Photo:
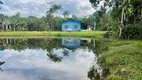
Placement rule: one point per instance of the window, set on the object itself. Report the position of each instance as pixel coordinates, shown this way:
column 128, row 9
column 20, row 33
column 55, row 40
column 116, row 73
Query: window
column 66, row 26
column 75, row 26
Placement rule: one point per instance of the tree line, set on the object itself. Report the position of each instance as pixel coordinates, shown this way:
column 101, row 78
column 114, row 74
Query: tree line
column 50, row 22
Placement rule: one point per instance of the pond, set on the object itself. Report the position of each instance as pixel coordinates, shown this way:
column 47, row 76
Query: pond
column 49, row 59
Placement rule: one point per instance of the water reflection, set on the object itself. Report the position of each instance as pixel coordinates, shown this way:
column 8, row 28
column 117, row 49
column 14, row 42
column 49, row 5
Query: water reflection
column 1, row 63
column 71, row 43
column 49, row 59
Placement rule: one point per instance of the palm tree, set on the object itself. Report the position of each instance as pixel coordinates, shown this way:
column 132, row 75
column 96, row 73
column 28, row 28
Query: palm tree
column 56, row 8
column 1, row 2
column 50, row 11
column 49, row 16
column 66, row 14
column 74, row 16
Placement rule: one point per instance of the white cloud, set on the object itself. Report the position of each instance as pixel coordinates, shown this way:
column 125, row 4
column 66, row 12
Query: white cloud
column 39, row 7
column 29, row 63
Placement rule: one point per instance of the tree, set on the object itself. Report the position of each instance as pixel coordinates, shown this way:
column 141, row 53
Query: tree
column 1, row 2
column 130, row 13
column 17, row 14
column 51, row 20
column 74, row 16
column 66, row 14
column 50, row 12
column 56, row 8
column 1, row 16
column 124, row 11
column 49, row 17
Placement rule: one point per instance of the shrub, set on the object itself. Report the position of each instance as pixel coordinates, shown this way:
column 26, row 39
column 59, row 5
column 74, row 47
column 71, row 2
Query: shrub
column 132, row 31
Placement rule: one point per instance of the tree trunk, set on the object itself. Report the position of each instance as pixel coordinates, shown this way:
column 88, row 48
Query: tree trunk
column 13, row 28
column 6, row 27
column 141, row 12
column 3, row 26
column 94, row 26
column 120, row 32
column 121, row 24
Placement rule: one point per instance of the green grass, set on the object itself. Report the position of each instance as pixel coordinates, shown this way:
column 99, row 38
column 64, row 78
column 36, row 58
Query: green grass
column 44, row 33
column 124, row 60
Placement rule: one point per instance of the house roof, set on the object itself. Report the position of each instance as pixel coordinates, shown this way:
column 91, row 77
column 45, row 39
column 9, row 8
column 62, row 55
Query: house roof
column 75, row 20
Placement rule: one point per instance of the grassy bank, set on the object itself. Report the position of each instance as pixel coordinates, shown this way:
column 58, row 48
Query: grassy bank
column 44, row 33
column 123, row 60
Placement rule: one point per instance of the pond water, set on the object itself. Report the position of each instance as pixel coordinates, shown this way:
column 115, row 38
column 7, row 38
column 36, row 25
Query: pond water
column 49, row 59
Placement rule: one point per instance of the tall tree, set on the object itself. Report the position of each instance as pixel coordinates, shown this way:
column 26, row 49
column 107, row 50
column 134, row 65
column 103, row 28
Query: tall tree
column 74, row 16
column 124, row 11
column 50, row 11
column 66, row 14
column 49, row 17
column 56, row 8
column 51, row 14
column 17, row 14
column 1, row 2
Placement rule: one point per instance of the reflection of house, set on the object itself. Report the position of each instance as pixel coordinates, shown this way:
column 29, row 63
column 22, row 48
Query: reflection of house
column 74, row 25
column 73, row 43
column 70, row 43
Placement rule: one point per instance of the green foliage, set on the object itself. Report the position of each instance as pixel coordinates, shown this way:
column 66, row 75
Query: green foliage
column 123, row 60
column 115, row 78
column 132, row 31
column 125, row 14
column 106, row 23
column 88, row 20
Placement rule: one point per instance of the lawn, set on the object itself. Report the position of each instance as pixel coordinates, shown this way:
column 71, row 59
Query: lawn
column 55, row 33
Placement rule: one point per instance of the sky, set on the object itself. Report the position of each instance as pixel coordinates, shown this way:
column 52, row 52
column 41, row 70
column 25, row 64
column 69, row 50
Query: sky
column 38, row 8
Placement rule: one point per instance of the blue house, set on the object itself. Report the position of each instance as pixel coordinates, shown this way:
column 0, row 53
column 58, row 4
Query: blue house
column 74, row 25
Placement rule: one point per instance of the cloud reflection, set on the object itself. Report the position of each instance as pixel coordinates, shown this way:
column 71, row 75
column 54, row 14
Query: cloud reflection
column 31, row 64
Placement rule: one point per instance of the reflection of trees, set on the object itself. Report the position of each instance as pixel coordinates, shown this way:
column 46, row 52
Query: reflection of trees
column 45, row 44
column 54, row 44
column 65, row 52
column 54, row 57
column 17, row 44
column 21, row 44
column 93, row 74
column 101, row 46
column 48, row 45
column 1, row 63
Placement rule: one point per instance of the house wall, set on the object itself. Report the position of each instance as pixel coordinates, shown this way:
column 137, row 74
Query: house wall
column 71, row 25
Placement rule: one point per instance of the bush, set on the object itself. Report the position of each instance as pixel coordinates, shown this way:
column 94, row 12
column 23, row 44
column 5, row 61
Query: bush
column 132, row 32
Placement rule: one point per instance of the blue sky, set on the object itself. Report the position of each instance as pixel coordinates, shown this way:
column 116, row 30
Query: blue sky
column 39, row 7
